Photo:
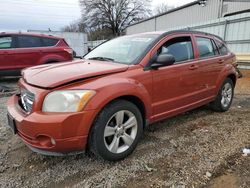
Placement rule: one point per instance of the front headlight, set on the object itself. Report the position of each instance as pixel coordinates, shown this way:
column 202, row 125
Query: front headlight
column 67, row 101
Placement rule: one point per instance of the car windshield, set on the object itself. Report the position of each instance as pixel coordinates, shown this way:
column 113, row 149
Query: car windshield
column 124, row 50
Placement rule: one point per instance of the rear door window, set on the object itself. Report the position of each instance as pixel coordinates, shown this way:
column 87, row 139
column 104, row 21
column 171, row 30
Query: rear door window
column 216, row 50
column 181, row 48
column 6, row 42
column 205, row 47
column 29, row 41
column 222, row 48
column 49, row 42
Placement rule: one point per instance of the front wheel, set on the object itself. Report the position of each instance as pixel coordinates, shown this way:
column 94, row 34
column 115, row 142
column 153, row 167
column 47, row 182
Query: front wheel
column 116, row 131
column 224, row 98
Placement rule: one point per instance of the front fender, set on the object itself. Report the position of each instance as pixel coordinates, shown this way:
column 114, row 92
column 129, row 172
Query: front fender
column 111, row 89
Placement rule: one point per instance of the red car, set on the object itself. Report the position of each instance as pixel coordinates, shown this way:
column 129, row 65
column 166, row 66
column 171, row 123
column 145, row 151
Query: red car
column 104, row 102
column 19, row 50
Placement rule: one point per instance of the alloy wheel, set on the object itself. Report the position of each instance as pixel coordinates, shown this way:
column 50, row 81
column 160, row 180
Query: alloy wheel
column 120, row 131
column 226, row 93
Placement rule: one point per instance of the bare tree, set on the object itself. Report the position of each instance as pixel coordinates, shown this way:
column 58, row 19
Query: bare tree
column 161, row 8
column 77, row 26
column 114, row 15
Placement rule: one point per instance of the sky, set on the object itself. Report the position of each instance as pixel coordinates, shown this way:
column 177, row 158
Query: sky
column 171, row 3
column 22, row 15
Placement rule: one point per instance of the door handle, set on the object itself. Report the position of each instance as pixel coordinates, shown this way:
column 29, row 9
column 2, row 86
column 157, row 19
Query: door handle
column 193, row 67
column 221, row 61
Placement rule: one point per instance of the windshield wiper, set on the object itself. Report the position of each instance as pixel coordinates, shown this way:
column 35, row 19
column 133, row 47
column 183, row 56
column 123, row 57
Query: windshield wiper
column 101, row 58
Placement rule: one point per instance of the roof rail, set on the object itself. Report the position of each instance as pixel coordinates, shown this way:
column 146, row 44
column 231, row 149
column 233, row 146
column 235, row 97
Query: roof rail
column 189, row 30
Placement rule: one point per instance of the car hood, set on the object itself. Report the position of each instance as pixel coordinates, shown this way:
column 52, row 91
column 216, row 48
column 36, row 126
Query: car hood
column 55, row 75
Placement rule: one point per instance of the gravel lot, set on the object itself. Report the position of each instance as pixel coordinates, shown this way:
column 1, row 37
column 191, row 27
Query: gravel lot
column 200, row 148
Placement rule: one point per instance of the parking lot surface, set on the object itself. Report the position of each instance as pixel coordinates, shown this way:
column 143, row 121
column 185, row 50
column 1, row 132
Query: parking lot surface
column 200, row 148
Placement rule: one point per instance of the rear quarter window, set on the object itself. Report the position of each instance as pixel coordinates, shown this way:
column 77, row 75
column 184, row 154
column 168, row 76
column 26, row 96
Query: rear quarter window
column 29, row 41
column 222, row 48
column 216, row 50
column 49, row 42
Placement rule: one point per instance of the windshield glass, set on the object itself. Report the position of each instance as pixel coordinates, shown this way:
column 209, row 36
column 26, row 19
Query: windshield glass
column 124, row 50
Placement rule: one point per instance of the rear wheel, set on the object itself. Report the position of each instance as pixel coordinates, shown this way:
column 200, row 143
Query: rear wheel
column 224, row 98
column 116, row 131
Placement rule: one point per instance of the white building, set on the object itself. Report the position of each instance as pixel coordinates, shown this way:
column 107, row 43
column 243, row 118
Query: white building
column 229, row 19
column 192, row 13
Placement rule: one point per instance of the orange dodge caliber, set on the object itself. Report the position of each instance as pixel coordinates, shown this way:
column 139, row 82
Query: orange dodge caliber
column 103, row 102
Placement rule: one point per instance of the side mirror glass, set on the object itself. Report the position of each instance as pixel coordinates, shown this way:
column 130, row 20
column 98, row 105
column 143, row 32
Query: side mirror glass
column 163, row 60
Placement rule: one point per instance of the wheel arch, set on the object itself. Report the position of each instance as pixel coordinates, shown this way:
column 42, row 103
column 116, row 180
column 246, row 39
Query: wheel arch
column 227, row 72
column 51, row 61
column 51, row 58
column 233, row 78
column 138, row 103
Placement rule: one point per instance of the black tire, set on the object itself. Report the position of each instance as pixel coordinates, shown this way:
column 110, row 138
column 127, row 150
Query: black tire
column 217, row 104
column 97, row 141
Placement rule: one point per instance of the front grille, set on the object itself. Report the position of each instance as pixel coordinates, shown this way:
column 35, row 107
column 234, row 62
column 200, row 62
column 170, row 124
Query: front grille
column 27, row 99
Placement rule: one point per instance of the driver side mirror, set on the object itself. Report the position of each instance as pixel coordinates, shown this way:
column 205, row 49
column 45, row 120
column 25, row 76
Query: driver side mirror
column 163, row 60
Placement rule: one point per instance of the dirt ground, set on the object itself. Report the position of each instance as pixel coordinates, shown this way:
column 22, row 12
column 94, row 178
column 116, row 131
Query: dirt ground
column 200, row 148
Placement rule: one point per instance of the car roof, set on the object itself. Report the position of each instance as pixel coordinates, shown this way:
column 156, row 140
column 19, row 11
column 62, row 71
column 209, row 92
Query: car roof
column 29, row 34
